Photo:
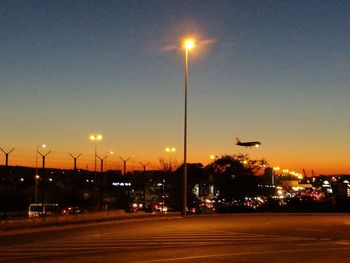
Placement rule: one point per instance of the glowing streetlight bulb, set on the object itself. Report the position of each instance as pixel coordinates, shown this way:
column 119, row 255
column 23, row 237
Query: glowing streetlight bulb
column 189, row 44
column 97, row 137
column 170, row 149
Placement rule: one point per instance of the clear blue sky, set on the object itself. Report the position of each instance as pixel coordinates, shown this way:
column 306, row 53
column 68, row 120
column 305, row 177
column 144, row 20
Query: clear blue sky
column 274, row 71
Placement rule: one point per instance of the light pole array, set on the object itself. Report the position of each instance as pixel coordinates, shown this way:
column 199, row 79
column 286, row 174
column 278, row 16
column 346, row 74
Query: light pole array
column 189, row 44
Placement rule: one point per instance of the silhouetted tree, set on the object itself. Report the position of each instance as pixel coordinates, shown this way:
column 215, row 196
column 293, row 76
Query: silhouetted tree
column 234, row 176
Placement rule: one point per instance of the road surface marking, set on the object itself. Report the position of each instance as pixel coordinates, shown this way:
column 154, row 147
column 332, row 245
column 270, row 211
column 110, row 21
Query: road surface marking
column 94, row 244
column 310, row 229
column 239, row 254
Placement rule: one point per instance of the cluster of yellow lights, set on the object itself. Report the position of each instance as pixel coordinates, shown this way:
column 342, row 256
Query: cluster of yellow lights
column 97, row 137
column 168, row 149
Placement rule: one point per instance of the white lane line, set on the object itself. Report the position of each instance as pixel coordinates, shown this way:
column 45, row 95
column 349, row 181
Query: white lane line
column 84, row 246
column 255, row 235
column 239, row 254
column 148, row 242
column 310, row 229
column 342, row 242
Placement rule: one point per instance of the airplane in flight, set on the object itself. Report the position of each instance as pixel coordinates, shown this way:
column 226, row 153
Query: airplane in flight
column 247, row 144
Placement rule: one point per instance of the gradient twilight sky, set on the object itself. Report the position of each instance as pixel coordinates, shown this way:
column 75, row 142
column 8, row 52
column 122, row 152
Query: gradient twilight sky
column 273, row 71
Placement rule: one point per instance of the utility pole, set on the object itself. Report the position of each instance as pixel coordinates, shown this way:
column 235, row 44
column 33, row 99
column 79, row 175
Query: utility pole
column 43, row 177
column 6, row 177
column 7, row 155
column 144, row 166
column 102, row 160
column 124, row 164
column 75, row 158
column 144, row 181
column 104, row 182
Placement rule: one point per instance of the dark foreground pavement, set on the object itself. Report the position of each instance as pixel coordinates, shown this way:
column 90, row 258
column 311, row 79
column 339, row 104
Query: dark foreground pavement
column 223, row 238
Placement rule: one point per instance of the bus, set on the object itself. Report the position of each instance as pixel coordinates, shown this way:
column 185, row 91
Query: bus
column 38, row 210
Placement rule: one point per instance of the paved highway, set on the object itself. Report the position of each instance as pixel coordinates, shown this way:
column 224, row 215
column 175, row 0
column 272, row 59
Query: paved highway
column 218, row 238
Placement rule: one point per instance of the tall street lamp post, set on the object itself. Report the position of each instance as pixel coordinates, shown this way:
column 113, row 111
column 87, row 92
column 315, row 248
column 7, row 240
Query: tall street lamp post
column 95, row 138
column 170, row 151
column 189, row 44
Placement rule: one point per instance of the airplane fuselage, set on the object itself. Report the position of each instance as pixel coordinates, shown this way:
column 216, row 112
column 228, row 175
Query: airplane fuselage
column 248, row 144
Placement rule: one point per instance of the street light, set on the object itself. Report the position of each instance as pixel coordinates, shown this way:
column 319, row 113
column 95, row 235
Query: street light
column 170, row 150
column 95, row 138
column 37, row 177
column 188, row 45
column 213, row 157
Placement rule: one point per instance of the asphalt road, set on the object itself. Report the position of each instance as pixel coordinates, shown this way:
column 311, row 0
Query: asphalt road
column 224, row 238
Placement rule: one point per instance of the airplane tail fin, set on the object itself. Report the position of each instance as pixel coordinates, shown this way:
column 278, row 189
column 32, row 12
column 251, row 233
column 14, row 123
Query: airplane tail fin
column 237, row 140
